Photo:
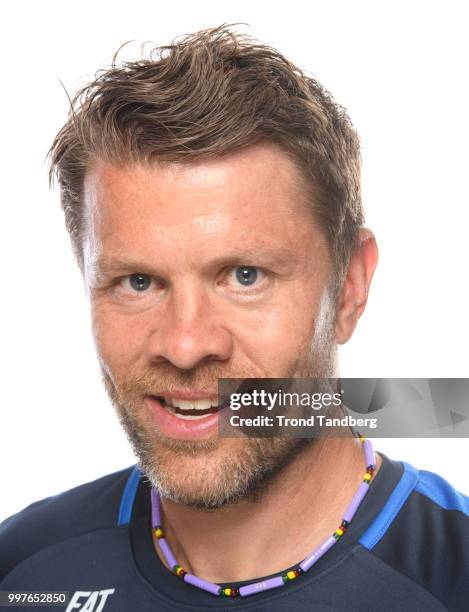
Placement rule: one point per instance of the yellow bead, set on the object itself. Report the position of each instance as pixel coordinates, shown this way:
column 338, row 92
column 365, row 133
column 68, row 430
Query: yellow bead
column 158, row 532
column 339, row 531
column 291, row 575
column 367, row 477
column 228, row 592
column 362, row 439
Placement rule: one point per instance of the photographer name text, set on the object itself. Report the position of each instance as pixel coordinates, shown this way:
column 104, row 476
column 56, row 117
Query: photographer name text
column 315, row 420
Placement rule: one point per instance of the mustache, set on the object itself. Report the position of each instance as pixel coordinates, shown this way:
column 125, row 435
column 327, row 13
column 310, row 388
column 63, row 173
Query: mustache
column 166, row 378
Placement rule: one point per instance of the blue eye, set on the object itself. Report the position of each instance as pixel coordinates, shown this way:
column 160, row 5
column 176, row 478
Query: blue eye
column 139, row 282
column 246, row 275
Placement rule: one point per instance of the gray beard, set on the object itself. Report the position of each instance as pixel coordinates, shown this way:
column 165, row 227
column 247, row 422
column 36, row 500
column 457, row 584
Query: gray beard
column 213, row 478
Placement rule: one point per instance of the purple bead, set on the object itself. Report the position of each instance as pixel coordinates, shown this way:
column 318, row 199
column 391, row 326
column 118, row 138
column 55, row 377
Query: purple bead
column 155, row 508
column 168, row 555
column 356, row 501
column 317, row 554
column 277, row 581
column 369, row 454
column 263, row 585
column 202, row 584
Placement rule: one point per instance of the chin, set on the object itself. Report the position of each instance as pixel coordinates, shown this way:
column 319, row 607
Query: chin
column 230, row 471
column 203, row 474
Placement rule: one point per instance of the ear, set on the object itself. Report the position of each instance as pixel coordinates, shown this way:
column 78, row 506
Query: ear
column 354, row 292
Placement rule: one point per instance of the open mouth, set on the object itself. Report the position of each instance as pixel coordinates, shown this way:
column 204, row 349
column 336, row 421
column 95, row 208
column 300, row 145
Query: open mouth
column 190, row 408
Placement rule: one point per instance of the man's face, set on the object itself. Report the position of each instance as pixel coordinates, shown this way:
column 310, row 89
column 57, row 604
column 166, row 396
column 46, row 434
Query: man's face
column 197, row 271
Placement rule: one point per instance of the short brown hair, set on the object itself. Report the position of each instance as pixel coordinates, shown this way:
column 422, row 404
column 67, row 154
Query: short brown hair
column 205, row 94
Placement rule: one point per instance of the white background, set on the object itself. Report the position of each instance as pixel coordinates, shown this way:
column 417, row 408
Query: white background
column 400, row 68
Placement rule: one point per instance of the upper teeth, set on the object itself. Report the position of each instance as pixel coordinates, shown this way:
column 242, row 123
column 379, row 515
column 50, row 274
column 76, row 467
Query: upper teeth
column 200, row 404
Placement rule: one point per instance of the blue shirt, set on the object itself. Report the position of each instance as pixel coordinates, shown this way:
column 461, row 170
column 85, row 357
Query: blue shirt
column 407, row 549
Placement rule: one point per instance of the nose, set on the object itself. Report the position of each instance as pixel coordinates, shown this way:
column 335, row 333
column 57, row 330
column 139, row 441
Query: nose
column 189, row 329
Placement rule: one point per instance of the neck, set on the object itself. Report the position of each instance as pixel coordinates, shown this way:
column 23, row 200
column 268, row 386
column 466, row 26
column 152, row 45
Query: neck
column 299, row 509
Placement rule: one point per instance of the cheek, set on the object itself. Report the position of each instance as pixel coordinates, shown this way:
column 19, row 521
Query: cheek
column 119, row 339
column 278, row 336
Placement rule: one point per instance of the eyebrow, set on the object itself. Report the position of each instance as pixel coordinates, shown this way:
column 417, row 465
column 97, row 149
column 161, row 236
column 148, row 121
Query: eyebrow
column 264, row 257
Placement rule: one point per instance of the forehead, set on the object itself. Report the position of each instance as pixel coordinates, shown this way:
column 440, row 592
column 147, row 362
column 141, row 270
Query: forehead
column 253, row 195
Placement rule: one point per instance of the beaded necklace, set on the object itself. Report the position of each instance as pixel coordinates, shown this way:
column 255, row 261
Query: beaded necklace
column 276, row 581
